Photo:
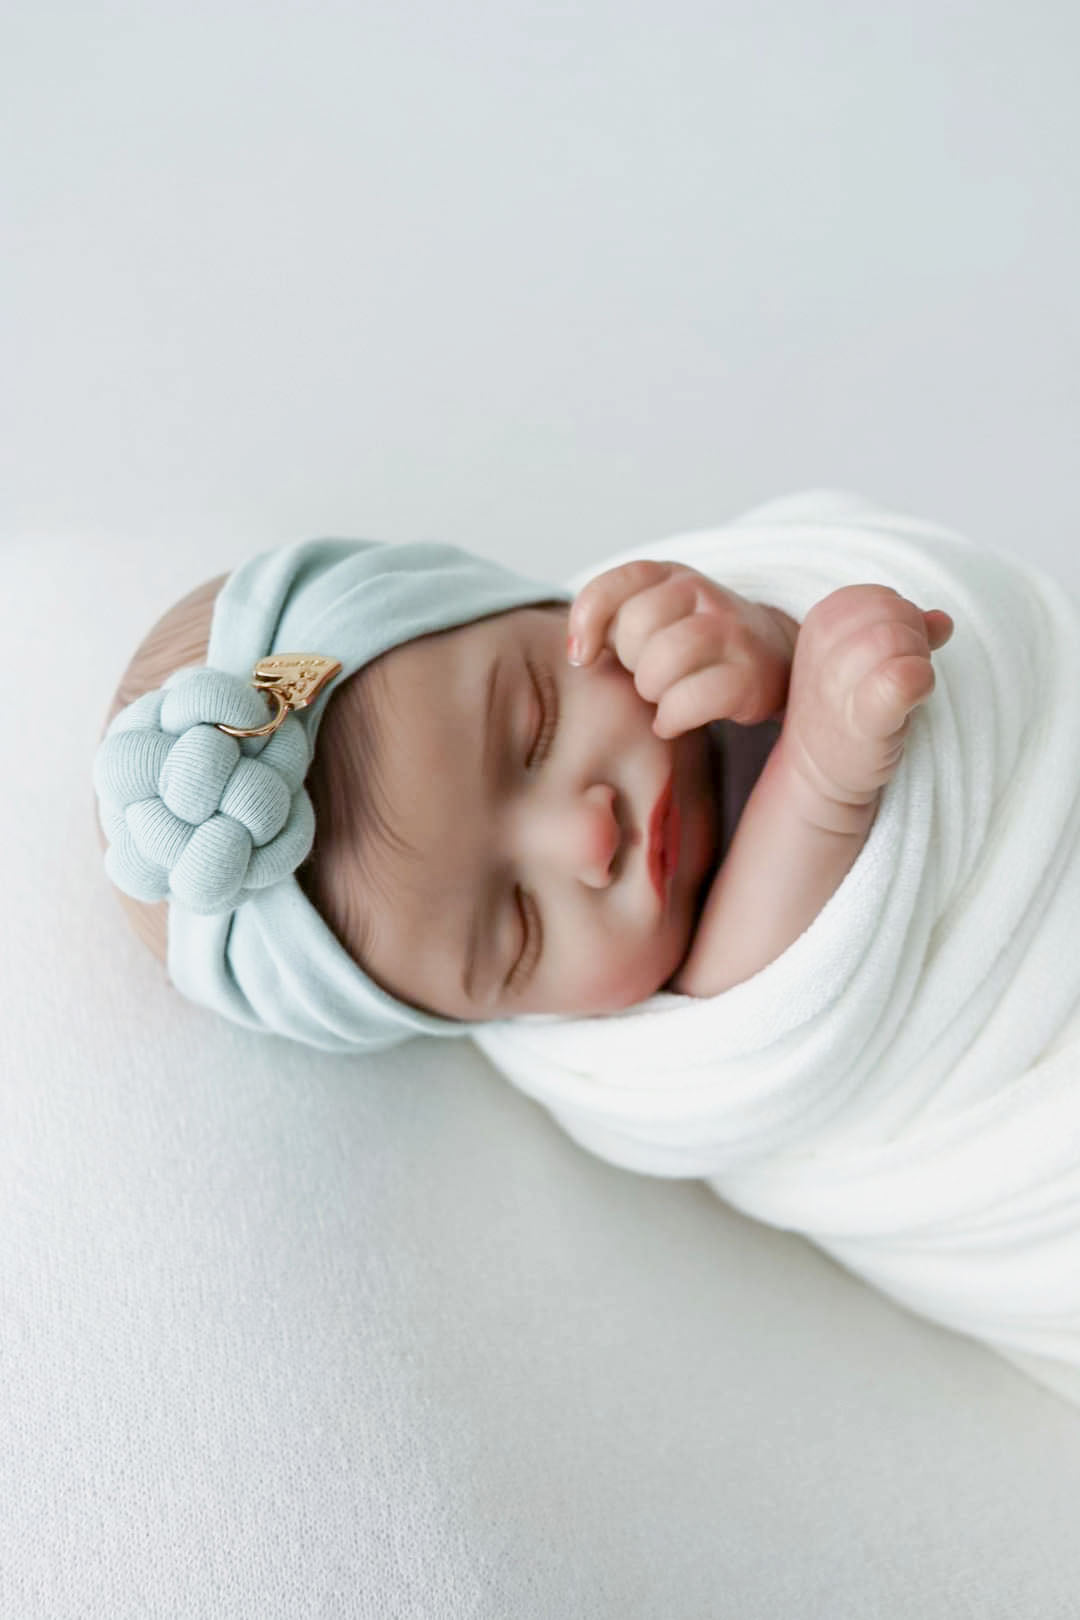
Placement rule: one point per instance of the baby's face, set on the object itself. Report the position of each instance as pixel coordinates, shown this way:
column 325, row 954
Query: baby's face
column 524, row 787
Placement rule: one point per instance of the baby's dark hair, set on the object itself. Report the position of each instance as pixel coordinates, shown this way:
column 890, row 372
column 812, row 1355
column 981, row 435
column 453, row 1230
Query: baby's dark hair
column 351, row 817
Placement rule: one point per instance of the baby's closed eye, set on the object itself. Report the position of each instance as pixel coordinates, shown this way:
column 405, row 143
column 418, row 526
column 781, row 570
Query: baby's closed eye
column 548, row 696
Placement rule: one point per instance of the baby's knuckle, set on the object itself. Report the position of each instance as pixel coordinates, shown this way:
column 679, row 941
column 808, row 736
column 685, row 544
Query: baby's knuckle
column 700, row 632
column 613, row 583
column 707, row 593
column 833, row 612
column 884, row 640
column 891, row 683
column 639, row 574
column 852, row 607
column 893, row 638
column 876, row 597
column 634, row 617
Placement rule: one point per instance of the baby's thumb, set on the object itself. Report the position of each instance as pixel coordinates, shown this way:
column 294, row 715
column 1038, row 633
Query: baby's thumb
column 939, row 627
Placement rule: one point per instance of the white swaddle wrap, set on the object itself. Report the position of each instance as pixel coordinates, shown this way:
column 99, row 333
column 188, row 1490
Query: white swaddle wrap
column 901, row 1085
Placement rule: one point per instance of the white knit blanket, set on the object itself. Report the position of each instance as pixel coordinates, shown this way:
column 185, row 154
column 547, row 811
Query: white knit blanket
column 902, row 1084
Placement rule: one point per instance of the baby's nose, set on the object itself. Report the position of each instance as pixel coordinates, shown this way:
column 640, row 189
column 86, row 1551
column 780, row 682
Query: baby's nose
column 591, row 834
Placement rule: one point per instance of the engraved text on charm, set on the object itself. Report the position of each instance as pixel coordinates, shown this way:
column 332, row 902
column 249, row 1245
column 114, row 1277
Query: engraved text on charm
column 293, row 679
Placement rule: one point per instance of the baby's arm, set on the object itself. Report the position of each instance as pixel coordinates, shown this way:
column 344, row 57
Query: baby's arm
column 862, row 663
column 790, row 851
column 849, row 677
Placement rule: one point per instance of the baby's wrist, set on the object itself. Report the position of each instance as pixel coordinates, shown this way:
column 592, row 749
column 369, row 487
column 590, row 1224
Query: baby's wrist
column 823, row 803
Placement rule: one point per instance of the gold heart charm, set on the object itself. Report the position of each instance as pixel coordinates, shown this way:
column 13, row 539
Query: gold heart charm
column 294, row 679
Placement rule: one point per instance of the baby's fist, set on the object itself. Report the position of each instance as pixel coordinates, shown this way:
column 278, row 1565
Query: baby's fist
column 696, row 650
column 862, row 664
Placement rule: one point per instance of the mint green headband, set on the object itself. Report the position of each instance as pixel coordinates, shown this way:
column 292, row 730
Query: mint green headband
column 218, row 824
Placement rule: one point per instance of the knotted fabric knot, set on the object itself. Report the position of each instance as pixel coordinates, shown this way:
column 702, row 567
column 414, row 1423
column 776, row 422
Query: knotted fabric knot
column 192, row 814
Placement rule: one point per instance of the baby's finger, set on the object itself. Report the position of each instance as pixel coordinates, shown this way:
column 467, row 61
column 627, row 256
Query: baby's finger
column 884, row 698
column 939, row 627
column 598, row 603
column 709, row 694
column 682, row 647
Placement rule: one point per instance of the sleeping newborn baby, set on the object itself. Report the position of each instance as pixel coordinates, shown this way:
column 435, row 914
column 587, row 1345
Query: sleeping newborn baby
column 568, row 862
column 685, row 850
column 563, row 807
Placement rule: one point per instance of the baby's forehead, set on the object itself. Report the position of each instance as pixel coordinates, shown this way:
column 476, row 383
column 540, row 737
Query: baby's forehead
column 445, row 669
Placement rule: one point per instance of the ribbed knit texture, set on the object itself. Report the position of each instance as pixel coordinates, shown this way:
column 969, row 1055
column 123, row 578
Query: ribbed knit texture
column 195, row 815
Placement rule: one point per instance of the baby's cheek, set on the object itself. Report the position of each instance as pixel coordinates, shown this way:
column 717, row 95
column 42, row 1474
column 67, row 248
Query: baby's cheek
column 618, row 977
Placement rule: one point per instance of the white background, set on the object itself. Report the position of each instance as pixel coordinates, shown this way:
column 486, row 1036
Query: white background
column 547, row 281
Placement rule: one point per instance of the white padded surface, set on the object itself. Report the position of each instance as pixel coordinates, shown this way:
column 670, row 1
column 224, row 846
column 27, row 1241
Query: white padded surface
column 285, row 1334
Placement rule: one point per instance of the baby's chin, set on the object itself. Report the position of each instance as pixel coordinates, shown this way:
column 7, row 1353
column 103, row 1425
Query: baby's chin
column 624, row 984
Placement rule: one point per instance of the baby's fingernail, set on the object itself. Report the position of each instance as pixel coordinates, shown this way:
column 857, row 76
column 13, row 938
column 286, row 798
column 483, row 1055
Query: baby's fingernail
column 573, row 649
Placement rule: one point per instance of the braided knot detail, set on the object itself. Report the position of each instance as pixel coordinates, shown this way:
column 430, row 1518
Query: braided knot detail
column 192, row 814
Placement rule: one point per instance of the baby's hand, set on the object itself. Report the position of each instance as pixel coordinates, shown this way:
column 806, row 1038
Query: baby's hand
column 862, row 664
column 696, row 650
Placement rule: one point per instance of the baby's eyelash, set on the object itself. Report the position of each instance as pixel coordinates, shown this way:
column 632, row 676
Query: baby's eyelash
column 528, row 958
column 549, row 704
column 549, row 720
